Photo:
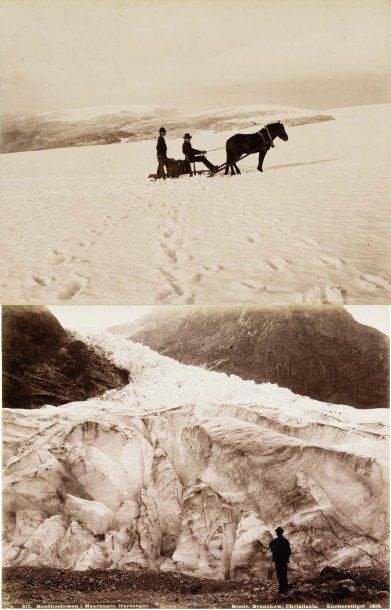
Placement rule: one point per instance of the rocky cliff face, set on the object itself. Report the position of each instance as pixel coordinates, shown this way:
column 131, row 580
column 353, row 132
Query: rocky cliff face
column 321, row 352
column 45, row 364
column 191, row 470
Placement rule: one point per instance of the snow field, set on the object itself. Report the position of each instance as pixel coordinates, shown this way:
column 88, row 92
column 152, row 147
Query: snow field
column 85, row 225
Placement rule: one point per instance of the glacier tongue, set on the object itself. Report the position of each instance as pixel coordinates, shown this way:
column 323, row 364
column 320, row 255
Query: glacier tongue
column 187, row 469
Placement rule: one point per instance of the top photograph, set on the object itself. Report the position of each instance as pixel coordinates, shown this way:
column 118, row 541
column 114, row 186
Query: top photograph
column 195, row 152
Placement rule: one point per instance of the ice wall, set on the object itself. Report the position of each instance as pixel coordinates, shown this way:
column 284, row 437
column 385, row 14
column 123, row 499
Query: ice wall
column 192, row 470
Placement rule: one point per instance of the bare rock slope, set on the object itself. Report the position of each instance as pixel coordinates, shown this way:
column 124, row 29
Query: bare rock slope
column 321, row 352
column 43, row 363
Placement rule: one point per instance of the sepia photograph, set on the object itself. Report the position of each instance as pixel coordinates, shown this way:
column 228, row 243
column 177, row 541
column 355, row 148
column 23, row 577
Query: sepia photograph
column 195, row 152
column 195, row 298
column 195, row 457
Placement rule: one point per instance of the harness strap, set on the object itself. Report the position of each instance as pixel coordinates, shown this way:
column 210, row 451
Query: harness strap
column 270, row 141
column 268, row 132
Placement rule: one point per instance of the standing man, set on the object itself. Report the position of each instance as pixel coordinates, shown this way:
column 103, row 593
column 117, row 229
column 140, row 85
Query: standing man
column 161, row 151
column 281, row 550
column 192, row 154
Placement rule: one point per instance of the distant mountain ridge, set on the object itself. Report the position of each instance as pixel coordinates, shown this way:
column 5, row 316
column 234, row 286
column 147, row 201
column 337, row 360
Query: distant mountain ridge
column 321, row 352
column 45, row 364
column 115, row 124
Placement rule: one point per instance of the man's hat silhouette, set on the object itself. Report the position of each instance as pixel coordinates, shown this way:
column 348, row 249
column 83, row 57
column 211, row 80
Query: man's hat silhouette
column 279, row 529
column 187, row 135
column 162, row 130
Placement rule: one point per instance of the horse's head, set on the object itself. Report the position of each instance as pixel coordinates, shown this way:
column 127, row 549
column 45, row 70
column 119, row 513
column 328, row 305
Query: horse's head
column 280, row 131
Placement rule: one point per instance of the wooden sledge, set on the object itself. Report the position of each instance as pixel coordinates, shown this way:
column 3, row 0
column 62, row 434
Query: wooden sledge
column 193, row 173
column 178, row 168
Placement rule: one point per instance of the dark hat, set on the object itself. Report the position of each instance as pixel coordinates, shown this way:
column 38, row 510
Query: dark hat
column 187, row 135
column 279, row 529
column 162, row 129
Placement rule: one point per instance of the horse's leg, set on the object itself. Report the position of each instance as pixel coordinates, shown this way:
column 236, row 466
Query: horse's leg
column 227, row 163
column 262, row 154
column 237, row 169
column 231, row 154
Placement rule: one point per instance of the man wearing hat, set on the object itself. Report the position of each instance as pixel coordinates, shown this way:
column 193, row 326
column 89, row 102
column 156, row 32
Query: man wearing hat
column 192, row 154
column 161, row 150
column 281, row 550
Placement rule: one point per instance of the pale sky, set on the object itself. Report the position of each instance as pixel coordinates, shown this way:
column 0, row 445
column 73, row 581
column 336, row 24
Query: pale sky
column 194, row 54
column 377, row 316
column 86, row 318
column 98, row 317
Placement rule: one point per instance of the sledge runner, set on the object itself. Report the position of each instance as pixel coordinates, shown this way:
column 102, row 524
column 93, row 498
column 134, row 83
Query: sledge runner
column 192, row 154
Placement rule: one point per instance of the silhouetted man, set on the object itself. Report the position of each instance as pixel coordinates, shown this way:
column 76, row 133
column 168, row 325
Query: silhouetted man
column 161, row 151
column 281, row 550
column 192, row 154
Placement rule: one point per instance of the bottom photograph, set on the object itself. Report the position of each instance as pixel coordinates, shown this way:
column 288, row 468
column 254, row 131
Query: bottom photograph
column 195, row 457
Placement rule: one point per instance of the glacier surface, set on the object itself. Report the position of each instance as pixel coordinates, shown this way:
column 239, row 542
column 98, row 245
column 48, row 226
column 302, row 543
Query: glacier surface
column 192, row 470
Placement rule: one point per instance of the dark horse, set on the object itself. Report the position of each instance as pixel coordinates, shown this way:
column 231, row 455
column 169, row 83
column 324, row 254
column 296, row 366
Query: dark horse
column 246, row 144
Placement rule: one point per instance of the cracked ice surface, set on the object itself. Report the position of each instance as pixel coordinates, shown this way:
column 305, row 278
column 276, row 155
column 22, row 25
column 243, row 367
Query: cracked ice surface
column 188, row 469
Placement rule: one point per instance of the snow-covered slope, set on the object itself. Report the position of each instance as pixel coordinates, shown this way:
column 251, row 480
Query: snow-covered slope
column 187, row 469
column 86, row 225
column 102, row 113
column 129, row 123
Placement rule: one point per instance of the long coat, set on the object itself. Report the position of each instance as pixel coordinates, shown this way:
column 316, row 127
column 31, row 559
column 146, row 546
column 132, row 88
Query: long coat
column 188, row 150
column 161, row 147
column 281, row 549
